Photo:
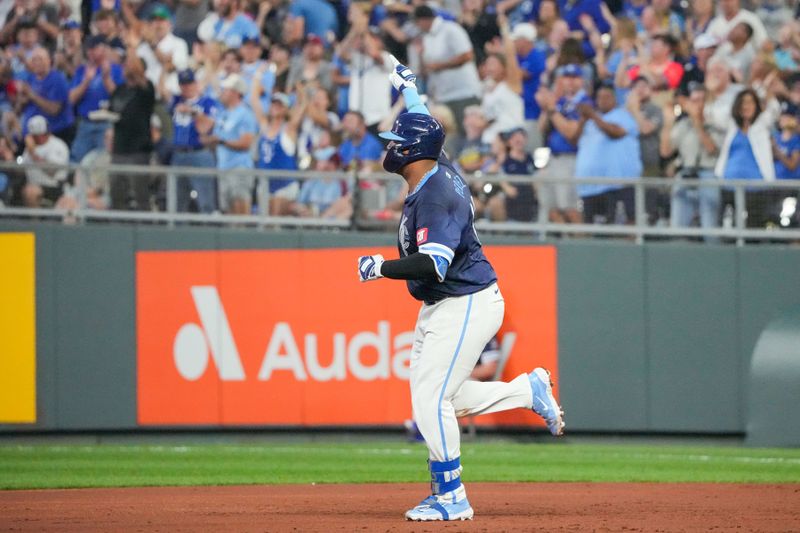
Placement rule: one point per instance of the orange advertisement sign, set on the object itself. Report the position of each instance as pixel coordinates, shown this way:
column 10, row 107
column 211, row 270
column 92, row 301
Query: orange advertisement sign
column 291, row 337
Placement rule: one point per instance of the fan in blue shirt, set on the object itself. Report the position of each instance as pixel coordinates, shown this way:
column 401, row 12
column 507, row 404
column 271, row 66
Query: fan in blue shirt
column 786, row 147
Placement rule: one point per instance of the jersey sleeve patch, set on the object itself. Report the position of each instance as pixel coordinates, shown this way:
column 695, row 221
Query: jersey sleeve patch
column 422, row 236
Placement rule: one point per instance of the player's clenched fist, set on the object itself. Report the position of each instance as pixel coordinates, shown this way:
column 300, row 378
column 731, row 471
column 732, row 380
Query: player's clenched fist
column 401, row 76
column 369, row 267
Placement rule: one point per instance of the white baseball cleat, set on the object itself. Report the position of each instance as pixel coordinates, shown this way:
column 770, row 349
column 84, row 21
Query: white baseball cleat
column 431, row 508
column 544, row 403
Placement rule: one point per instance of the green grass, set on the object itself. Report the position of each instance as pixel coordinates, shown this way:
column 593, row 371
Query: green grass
column 41, row 466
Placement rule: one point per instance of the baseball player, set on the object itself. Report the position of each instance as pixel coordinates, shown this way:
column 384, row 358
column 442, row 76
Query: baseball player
column 444, row 267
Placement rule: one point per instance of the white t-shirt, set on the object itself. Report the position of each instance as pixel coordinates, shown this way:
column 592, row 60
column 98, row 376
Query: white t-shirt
column 54, row 151
column 370, row 79
column 445, row 41
column 719, row 26
column 504, row 109
column 170, row 45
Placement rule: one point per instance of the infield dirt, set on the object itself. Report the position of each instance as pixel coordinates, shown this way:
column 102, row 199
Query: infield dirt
column 380, row 507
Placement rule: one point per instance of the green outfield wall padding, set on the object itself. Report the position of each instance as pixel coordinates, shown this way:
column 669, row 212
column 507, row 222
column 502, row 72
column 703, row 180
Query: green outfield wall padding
column 651, row 338
column 601, row 336
column 774, row 400
column 693, row 364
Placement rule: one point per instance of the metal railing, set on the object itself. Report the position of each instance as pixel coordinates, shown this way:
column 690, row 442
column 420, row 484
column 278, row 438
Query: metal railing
column 639, row 228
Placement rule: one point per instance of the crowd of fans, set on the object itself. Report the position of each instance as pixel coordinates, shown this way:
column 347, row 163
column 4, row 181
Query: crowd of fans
column 560, row 90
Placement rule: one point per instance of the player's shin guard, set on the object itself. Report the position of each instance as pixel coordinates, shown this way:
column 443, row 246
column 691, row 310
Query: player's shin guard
column 446, row 480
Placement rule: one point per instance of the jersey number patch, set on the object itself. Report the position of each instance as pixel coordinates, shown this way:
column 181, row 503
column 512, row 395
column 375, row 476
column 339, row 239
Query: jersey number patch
column 422, row 235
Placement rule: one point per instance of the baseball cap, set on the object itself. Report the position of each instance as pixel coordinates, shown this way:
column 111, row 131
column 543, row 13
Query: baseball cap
column 506, row 135
column 250, row 39
column 71, row 25
column 705, row 40
column 235, row 82
column 283, row 98
column 37, row 125
column 314, row 39
column 570, row 70
column 186, row 76
column 525, row 31
column 160, row 12
column 95, row 40
column 424, row 12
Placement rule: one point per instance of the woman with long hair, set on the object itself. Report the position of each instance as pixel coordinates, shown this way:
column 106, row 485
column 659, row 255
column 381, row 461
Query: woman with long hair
column 746, row 152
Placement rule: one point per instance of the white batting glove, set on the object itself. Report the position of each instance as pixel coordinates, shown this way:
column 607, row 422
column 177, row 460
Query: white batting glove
column 401, row 76
column 369, row 267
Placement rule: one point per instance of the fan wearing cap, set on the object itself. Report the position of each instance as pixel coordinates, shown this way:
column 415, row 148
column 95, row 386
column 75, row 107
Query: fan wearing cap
column 69, row 53
column 705, row 46
column 311, row 66
column 164, row 53
column 532, row 63
column 191, row 112
column 90, row 90
column 253, row 65
column 41, row 147
column 233, row 133
column 277, row 147
column 560, row 124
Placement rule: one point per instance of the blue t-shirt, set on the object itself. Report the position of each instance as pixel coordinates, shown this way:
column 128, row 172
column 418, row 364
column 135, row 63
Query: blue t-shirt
column 437, row 220
column 342, row 91
column 600, row 156
column 320, row 16
column 230, row 125
column 370, row 149
column 96, row 91
column 571, row 12
column 267, row 83
column 233, row 32
column 525, row 11
column 534, row 64
column 569, row 108
column 321, row 193
column 742, row 163
column 53, row 87
column 276, row 153
column 185, row 132
column 788, row 147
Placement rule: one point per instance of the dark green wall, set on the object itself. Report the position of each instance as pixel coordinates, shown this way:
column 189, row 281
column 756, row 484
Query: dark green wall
column 651, row 338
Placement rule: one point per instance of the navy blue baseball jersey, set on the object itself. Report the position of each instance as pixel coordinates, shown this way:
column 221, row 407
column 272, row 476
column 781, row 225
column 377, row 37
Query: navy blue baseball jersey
column 438, row 221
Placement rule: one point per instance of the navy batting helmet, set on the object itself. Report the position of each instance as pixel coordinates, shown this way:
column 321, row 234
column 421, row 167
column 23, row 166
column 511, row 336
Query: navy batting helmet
column 416, row 136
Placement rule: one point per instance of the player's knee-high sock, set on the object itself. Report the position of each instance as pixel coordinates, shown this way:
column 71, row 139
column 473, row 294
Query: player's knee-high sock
column 477, row 398
column 446, row 480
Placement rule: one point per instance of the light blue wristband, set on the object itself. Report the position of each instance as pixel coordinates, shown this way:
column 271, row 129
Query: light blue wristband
column 414, row 102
